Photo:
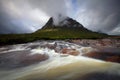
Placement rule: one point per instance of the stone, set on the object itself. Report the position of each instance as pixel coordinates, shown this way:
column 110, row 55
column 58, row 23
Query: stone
column 70, row 51
column 113, row 59
column 18, row 59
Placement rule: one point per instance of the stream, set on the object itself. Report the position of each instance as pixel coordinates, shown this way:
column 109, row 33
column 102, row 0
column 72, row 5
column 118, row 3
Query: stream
column 59, row 60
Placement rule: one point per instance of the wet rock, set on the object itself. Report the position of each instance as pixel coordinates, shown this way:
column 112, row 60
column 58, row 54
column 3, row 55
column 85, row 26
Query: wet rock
column 99, row 76
column 113, row 59
column 106, row 56
column 50, row 46
column 70, row 51
column 18, row 59
column 33, row 46
column 31, row 59
column 98, row 42
column 95, row 55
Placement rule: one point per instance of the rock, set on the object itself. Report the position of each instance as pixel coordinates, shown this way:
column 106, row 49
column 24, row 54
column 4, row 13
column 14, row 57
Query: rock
column 18, row 59
column 113, row 59
column 32, row 59
column 98, row 42
column 106, row 56
column 33, row 46
column 70, row 51
column 99, row 76
column 95, row 55
column 50, row 46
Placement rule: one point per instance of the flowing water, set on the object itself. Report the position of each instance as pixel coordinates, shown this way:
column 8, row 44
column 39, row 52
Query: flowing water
column 44, row 60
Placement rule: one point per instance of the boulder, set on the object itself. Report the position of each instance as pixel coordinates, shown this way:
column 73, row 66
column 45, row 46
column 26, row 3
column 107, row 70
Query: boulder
column 113, row 59
column 18, row 59
column 73, row 52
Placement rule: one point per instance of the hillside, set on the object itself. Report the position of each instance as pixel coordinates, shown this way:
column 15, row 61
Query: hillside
column 67, row 29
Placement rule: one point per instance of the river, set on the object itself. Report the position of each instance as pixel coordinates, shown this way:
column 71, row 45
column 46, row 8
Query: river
column 56, row 60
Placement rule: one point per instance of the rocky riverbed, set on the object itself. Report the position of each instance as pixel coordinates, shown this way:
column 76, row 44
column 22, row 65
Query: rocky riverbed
column 61, row 60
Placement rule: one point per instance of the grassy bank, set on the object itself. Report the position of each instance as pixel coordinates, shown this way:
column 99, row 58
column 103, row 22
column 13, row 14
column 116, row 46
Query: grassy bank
column 50, row 34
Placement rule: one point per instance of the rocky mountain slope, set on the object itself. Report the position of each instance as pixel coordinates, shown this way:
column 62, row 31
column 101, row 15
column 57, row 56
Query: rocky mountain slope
column 66, row 29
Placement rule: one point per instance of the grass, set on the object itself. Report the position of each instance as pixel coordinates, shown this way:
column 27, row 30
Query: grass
column 65, row 33
column 50, row 33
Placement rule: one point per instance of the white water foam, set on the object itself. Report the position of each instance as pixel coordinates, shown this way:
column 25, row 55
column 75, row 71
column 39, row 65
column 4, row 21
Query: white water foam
column 59, row 66
column 15, row 48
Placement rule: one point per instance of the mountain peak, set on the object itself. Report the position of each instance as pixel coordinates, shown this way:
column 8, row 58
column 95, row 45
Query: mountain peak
column 66, row 29
column 67, row 22
column 50, row 23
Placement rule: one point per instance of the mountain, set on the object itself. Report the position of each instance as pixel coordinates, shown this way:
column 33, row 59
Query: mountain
column 66, row 29
column 49, row 24
column 66, row 23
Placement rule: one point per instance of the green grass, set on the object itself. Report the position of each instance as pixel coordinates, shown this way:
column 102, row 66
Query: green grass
column 68, row 33
column 50, row 33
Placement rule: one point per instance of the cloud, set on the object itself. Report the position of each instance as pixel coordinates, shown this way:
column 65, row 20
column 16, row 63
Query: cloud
column 115, row 31
column 21, row 16
column 20, row 19
column 99, row 15
column 55, row 8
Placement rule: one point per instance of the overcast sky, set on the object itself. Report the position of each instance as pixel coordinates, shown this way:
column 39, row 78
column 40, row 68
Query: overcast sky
column 22, row 16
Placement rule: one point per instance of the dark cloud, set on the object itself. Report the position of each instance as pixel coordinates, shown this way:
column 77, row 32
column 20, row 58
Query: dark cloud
column 7, row 22
column 7, row 25
column 99, row 15
column 20, row 16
